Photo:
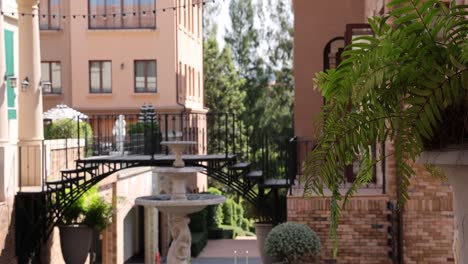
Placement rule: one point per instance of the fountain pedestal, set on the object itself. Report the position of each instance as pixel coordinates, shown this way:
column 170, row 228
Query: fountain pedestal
column 179, row 204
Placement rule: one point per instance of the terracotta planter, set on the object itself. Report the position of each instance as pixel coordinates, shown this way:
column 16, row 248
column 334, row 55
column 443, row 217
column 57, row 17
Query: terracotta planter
column 75, row 241
column 454, row 164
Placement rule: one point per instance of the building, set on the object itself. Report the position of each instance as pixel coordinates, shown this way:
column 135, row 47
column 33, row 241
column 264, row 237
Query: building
column 122, row 54
column 9, row 68
column 111, row 57
column 101, row 59
column 371, row 230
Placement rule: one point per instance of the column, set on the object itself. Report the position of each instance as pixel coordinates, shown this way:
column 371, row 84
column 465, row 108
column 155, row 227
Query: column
column 3, row 113
column 151, row 235
column 30, row 123
column 3, row 87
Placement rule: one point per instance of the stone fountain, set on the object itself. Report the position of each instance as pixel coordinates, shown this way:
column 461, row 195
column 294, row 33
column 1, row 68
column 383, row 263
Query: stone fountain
column 179, row 204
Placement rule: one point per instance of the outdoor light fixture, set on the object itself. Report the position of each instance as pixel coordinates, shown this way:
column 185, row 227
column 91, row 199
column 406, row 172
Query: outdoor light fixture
column 13, row 82
column 25, row 85
column 46, row 86
column 12, row 79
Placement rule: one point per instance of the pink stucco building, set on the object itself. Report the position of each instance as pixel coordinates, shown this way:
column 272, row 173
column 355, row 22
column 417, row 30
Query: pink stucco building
column 122, row 54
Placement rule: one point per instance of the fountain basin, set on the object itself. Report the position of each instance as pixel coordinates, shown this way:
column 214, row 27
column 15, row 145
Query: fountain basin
column 193, row 202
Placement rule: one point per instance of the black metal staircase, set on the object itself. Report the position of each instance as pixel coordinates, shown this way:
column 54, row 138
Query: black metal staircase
column 257, row 175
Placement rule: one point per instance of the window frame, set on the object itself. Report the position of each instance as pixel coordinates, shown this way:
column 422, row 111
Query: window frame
column 101, row 90
column 146, row 62
column 120, row 17
column 51, row 79
column 50, row 17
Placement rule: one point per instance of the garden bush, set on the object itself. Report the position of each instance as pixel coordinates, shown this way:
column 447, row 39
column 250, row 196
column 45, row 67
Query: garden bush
column 245, row 224
column 67, row 128
column 239, row 214
column 228, row 212
column 291, row 241
column 215, row 212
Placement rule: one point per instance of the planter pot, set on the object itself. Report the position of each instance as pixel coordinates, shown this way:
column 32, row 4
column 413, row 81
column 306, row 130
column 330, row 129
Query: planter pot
column 262, row 230
column 75, row 241
column 454, row 164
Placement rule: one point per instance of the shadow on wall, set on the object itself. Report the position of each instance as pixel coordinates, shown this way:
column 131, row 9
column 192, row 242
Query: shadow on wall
column 7, row 233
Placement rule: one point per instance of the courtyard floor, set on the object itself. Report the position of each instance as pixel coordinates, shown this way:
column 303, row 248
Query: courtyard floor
column 222, row 252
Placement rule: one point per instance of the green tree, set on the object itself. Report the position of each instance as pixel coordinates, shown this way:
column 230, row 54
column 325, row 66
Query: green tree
column 243, row 39
column 222, row 91
column 405, row 83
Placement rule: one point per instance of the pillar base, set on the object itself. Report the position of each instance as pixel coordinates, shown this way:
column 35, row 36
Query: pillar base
column 454, row 164
column 30, row 157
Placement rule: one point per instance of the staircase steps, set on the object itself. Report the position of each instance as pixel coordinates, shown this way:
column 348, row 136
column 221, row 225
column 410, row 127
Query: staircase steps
column 71, row 180
column 275, row 183
column 80, row 169
column 254, row 175
column 241, row 166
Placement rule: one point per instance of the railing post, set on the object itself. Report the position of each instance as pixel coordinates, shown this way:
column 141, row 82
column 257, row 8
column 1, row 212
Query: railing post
column 166, row 132
column 233, row 134
column 153, row 143
column 43, row 165
column 99, row 135
column 79, row 139
column 226, row 132
column 292, row 166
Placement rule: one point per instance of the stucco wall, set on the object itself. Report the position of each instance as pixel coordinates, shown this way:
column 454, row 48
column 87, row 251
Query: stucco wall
column 315, row 23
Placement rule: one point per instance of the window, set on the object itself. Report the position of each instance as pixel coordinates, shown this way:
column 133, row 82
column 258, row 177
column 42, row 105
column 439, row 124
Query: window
column 100, row 77
column 106, row 14
column 52, row 72
column 49, row 14
column 145, row 76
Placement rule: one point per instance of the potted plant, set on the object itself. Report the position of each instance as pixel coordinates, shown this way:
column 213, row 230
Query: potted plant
column 90, row 212
column 401, row 85
column 290, row 242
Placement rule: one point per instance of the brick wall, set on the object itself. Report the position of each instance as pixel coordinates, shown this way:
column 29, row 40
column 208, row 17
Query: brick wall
column 362, row 230
column 428, row 220
column 427, row 230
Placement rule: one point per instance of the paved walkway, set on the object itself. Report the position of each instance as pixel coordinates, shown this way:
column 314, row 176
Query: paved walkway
column 221, row 251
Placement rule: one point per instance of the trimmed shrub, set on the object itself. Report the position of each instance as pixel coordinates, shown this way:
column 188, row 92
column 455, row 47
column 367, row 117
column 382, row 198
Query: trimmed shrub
column 228, row 212
column 199, row 241
column 215, row 233
column 198, row 221
column 215, row 212
column 291, row 241
column 67, row 128
column 239, row 215
column 213, row 190
column 245, row 224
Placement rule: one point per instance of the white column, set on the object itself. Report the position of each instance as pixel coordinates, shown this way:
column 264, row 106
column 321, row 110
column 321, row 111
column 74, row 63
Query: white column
column 30, row 124
column 151, row 235
column 3, row 90
column 458, row 179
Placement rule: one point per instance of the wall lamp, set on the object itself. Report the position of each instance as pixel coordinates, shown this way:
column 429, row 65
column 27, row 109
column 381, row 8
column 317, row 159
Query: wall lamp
column 13, row 81
column 46, row 86
column 25, row 85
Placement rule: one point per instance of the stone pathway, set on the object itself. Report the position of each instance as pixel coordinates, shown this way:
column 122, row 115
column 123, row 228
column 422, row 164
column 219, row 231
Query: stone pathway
column 221, row 251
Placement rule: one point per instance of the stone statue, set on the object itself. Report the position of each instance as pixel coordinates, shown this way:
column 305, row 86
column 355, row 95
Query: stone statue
column 119, row 132
column 179, row 252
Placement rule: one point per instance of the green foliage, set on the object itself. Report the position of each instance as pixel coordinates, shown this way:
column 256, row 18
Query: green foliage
column 401, row 82
column 245, row 224
column 67, row 128
column 215, row 212
column 239, row 214
column 228, row 212
column 198, row 221
column 290, row 241
column 90, row 209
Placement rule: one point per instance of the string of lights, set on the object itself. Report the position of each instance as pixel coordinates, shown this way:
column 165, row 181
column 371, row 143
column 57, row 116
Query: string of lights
column 106, row 15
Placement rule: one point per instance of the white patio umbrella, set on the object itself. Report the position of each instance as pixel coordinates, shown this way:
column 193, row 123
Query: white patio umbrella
column 62, row 111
